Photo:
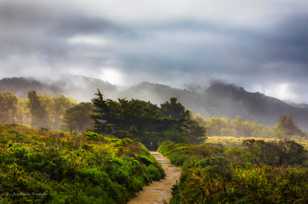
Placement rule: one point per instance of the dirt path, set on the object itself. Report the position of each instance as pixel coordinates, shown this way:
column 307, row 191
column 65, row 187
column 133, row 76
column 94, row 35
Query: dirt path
column 159, row 192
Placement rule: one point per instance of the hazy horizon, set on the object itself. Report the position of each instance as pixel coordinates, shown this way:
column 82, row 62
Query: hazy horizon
column 259, row 45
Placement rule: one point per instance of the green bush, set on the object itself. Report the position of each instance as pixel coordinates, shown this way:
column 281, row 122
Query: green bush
column 41, row 167
column 255, row 172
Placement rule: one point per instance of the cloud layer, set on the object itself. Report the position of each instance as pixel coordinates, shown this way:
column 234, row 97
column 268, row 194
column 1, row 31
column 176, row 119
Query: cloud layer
column 261, row 45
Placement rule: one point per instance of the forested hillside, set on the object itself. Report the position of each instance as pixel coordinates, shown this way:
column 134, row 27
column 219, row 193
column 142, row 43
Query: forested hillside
column 221, row 99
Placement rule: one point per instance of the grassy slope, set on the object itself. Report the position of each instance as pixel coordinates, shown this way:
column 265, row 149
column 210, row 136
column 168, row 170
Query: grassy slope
column 54, row 167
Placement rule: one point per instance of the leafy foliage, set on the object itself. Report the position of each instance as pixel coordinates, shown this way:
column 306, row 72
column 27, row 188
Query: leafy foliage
column 145, row 121
column 55, row 167
column 255, row 172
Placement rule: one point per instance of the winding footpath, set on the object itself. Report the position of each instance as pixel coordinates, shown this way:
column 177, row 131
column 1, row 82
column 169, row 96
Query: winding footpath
column 159, row 192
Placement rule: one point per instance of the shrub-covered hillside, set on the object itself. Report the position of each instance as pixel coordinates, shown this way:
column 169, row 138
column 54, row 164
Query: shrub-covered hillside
column 54, row 167
column 255, row 172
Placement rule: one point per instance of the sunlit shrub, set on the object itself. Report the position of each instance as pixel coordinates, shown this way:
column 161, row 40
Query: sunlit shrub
column 89, row 168
column 256, row 172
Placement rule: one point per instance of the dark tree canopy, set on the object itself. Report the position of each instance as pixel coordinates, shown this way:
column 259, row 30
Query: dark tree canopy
column 145, row 121
column 174, row 109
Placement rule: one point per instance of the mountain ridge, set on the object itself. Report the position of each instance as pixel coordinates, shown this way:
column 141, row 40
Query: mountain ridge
column 219, row 99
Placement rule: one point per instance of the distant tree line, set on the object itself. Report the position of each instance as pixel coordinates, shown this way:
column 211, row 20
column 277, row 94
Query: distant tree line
column 38, row 111
column 147, row 122
column 224, row 126
column 139, row 119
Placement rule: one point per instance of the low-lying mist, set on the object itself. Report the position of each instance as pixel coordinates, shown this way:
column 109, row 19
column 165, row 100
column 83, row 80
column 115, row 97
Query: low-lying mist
column 216, row 99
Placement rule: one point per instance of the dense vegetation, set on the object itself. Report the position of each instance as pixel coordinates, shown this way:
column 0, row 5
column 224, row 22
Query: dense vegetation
column 254, row 172
column 109, row 166
column 54, row 167
column 145, row 121
column 136, row 119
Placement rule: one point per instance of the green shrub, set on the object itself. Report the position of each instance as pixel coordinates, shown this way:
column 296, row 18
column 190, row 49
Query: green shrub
column 256, row 172
column 38, row 167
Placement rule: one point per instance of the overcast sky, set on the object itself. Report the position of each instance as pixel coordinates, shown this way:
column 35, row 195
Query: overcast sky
column 259, row 44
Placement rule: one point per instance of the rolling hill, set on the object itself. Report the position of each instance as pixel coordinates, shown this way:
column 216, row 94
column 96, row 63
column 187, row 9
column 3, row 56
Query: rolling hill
column 79, row 87
column 219, row 99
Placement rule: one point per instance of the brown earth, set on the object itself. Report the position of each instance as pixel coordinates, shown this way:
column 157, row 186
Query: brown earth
column 159, row 192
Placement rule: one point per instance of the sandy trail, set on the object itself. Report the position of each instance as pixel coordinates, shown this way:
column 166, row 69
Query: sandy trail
column 159, row 192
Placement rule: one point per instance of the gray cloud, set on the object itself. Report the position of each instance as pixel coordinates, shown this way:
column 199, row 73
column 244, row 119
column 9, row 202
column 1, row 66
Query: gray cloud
column 261, row 46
